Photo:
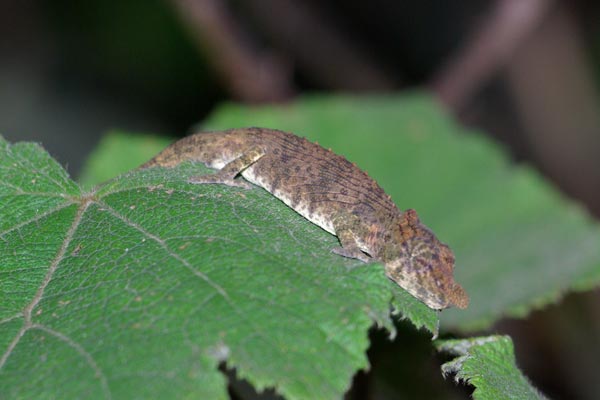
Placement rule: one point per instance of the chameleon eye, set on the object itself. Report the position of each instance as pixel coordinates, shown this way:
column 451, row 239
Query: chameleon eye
column 411, row 216
column 448, row 257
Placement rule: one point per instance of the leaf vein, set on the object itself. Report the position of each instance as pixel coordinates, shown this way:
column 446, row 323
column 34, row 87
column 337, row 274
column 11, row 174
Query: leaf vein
column 87, row 356
column 28, row 310
column 37, row 218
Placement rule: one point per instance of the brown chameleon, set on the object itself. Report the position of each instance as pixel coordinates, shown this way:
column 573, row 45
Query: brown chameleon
column 334, row 194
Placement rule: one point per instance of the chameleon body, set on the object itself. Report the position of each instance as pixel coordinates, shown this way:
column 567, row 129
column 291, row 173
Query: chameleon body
column 334, row 194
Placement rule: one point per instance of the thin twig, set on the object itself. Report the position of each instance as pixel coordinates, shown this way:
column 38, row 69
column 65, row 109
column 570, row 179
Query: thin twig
column 250, row 75
column 488, row 49
column 553, row 86
column 325, row 55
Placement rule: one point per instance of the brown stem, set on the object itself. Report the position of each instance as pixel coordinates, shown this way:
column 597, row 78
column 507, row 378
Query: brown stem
column 250, row 75
column 487, row 49
column 323, row 53
column 557, row 102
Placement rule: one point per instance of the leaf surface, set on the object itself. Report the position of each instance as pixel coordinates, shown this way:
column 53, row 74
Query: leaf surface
column 488, row 363
column 142, row 286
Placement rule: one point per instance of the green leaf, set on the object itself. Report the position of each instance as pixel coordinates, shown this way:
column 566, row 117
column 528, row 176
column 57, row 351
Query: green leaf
column 119, row 152
column 519, row 243
column 141, row 287
column 488, row 363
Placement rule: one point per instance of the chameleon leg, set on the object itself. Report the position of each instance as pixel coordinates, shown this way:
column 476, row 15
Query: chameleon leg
column 349, row 246
column 227, row 174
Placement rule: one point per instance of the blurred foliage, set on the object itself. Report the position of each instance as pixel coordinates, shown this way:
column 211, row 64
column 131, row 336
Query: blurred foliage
column 140, row 53
column 118, row 152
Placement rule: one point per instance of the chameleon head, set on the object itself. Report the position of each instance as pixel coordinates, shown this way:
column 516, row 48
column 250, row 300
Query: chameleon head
column 424, row 266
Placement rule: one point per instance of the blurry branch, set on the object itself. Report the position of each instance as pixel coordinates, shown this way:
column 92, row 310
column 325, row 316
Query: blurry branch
column 557, row 101
column 320, row 51
column 537, row 44
column 249, row 74
column 487, row 50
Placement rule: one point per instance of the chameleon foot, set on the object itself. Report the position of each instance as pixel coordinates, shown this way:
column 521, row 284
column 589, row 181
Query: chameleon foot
column 351, row 253
column 215, row 178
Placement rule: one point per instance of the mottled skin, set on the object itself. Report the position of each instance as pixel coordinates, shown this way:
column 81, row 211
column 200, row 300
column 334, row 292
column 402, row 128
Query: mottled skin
column 333, row 193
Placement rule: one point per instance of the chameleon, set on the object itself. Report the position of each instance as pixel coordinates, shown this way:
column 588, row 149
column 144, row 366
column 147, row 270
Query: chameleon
column 333, row 193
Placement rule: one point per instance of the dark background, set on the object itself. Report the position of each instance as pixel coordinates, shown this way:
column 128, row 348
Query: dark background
column 524, row 71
